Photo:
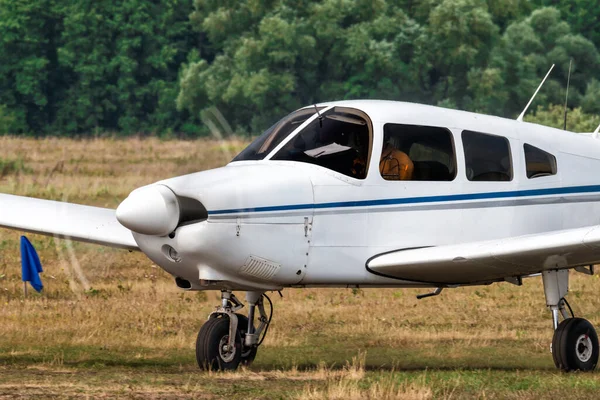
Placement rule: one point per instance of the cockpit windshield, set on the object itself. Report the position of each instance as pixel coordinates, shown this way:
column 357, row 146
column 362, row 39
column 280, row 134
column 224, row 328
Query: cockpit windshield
column 339, row 139
column 265, row 143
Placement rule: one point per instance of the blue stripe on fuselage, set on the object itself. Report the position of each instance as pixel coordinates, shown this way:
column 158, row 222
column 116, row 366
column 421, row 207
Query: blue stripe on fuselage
column 416, row 200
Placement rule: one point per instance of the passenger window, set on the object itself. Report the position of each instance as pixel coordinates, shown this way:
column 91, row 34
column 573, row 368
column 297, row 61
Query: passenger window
column 340, row 140
column 417, row 153
column 487, row 157
column 538, row 162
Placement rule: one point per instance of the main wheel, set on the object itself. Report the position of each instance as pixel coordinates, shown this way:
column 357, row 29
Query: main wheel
column 575, row 345
column 248, row 353
column 212, row 350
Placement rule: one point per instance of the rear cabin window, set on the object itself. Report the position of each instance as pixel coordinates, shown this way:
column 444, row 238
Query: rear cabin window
column 487, row 157
column 538, row 162
column 417, row 153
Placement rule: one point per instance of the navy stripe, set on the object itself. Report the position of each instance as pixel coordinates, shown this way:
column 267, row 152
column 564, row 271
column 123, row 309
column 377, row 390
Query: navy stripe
column 416, row 200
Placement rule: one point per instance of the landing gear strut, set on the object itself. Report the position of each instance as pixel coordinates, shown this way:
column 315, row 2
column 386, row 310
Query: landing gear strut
column 575, row 342
column 228, row 338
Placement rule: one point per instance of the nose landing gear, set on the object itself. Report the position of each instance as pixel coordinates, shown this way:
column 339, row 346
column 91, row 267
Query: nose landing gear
column 228, row 338
column 575, row 342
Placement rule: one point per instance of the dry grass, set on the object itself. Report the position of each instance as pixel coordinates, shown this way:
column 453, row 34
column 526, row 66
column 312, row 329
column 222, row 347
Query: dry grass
column 388, row 389
column 118, row 327
column 102, row 171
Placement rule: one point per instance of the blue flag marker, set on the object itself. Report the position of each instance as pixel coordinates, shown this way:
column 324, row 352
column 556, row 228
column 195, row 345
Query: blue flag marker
column 30, row 264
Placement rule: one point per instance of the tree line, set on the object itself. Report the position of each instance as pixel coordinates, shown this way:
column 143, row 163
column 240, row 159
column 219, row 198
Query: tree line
column 161, row 66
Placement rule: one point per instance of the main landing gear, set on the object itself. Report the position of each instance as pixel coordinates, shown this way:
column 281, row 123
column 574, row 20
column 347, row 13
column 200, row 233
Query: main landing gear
column 228, row 338
column 575, row 342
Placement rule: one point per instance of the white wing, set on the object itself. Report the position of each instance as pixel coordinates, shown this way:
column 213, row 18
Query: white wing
column 65, row 220
column 489, row 261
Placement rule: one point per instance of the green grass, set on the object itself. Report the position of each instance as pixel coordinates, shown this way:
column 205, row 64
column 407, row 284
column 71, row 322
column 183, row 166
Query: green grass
column 449, row 370
column 64, row 372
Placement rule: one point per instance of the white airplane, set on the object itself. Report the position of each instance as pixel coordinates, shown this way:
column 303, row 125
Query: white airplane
column 369, row 194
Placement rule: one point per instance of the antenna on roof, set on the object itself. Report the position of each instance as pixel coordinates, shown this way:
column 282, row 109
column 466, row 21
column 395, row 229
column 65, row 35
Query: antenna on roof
column 567, row 94
column 597, row 131
column 520, row 119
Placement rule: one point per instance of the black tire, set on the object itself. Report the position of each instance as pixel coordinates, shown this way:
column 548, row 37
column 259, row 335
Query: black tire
column 557, row 350
column 209, row 352
column 248, row 354
column 575, row 345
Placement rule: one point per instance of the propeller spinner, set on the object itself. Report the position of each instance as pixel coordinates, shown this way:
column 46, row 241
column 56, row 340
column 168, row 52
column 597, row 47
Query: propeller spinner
column 150, row 210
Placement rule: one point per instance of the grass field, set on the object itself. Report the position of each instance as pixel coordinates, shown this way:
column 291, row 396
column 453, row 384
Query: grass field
column 111, row 324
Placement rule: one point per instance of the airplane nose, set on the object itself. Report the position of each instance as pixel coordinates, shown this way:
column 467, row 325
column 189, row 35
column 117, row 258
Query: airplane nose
column 150, row 210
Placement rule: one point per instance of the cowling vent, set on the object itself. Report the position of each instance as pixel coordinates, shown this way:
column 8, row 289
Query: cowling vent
column 260, row 268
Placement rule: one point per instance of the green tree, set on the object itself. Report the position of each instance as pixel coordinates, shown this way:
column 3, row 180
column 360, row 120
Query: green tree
column 506, row 11
column 591, row 101
column 75, row 67
column 123, row 57
column 553, row 116
column 273, row 58
column 31, row 81
column 368, row 51
column 255, row 72
column 7, row 121
column 527, row 50
column 458, row 39
column 582, row 15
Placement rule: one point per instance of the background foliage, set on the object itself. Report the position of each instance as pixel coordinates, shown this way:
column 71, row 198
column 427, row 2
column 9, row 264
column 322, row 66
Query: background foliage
column 131, row 66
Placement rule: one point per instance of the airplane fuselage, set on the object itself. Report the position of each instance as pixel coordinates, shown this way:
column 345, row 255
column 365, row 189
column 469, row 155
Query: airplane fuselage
column 272, row 224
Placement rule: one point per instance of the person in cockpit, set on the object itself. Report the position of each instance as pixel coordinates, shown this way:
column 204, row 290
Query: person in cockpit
column 395, row 164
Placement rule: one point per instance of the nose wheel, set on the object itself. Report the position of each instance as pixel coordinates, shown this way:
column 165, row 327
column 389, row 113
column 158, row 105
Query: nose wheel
column 213, row 351
column 229, row 339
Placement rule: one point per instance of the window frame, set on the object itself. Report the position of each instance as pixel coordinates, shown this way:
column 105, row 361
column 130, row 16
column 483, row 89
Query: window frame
column 443, row 128
column 553, row 167
column 267, row 156
column 510, row 155
column 349, row 110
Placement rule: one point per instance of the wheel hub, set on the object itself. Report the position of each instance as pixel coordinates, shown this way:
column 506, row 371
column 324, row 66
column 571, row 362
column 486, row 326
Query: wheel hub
column 583, row 348
column 226, row 352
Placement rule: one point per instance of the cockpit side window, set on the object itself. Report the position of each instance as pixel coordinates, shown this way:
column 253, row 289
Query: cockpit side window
column 417, row 153
column 265, row 143
column 487, row 157
column 339, row 140
column 538, row 162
